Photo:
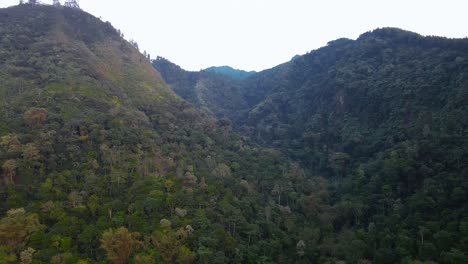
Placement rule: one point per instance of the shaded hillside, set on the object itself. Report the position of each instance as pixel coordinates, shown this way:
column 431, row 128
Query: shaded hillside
column 101, row 161
column 214, row 92
column 217, row 92
column 384, row 119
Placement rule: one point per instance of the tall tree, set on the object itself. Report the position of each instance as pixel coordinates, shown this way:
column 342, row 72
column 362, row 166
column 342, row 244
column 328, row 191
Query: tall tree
column 190, row 180
column 16, row 228
column 9, row 171
column 35, row 116
column 120, row 244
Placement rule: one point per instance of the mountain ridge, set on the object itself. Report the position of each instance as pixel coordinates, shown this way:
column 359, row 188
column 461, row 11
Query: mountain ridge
column 229, row 71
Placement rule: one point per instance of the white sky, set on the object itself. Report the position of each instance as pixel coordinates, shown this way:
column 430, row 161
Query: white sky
column 259, row 34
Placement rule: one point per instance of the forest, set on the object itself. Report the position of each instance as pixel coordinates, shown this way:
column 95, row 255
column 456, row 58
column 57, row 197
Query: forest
column 382, row 119
column 353, row 153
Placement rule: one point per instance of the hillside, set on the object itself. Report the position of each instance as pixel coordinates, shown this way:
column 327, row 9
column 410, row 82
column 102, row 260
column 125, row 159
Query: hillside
column 103, row 162
column 223, row 95
column 384, row 119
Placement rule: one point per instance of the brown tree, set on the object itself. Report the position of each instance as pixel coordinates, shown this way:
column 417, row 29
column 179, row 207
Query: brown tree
column 222, row 171
column 190, row 180
column 11, row 143
column 35, row 116
column 120, row 244
column 31, row 153
column 338, row 162
column 16, row 228
column 9, row 171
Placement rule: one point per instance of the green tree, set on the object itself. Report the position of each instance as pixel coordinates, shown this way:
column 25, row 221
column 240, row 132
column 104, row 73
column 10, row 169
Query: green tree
column 171, row 246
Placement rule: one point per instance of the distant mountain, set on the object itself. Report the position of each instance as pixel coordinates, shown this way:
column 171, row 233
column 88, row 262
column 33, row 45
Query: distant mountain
column 384, row 119
column 222, row 95
column 231, row 72
column 215, row 90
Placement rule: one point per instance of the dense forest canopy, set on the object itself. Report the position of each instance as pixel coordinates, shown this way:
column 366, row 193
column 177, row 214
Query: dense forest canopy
column 102, row 162
column 383, row 118
column 353, row 153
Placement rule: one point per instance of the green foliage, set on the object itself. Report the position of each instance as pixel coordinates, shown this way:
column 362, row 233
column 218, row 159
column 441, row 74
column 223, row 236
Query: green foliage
column 97, row 148
column 366, row 158
column 382, row 119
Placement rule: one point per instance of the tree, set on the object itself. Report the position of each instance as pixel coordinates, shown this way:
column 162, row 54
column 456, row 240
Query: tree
column 134, row 44
column 171, row 246
column 202, row 183
column 225, row 126
column 9, row 171
column 222, row 171
column 6, row 257
column 26, row 256
column 277, row 192
column 56, row 3
column 35, row 116
column 11, row 143
column 338, row 162
column 190, row 180
column 31, row 153
column 93, row 204
column 72, row 3
column 16, row 228
column 75, row 199
column 120, row 244
column 143, row 259
column 300, row 248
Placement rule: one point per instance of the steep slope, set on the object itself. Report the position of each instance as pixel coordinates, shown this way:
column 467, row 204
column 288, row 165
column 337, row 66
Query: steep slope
column 201, row 88
column 223, row 93
column 102, row 161
column 383, row 118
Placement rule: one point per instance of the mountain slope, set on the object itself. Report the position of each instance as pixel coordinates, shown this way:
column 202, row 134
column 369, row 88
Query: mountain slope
column 223, row 95
column 383, row 118
column 102, row 161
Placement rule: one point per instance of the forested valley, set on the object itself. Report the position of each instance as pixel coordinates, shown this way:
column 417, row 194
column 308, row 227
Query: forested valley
column 382, row 119
column 353, row 153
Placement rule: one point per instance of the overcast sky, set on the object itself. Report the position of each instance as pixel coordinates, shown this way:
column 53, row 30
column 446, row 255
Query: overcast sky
column 259, row 34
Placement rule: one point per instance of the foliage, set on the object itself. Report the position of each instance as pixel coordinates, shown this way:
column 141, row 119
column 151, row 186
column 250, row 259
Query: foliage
column 382, row 119
column 364, row 155
column 120, row 244
column 97, row 148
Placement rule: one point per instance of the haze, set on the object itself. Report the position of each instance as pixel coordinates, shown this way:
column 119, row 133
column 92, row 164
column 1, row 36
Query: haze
column 259, row 34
